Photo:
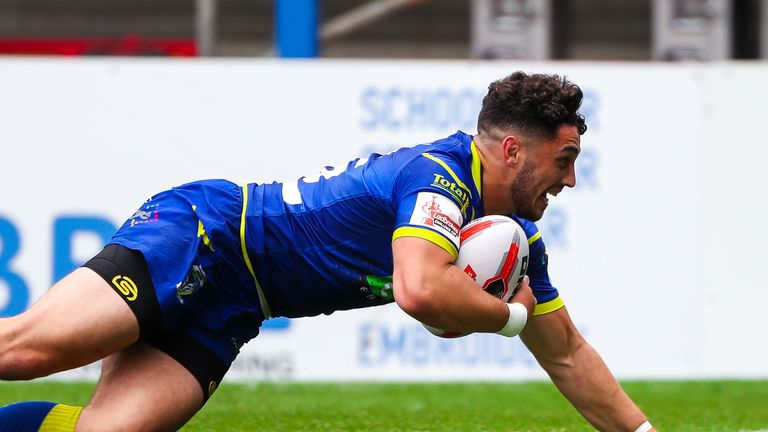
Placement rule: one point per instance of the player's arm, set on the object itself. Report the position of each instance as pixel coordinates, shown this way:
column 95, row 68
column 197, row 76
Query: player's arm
column 428, row 287
column 425, row 244
column 580, row 374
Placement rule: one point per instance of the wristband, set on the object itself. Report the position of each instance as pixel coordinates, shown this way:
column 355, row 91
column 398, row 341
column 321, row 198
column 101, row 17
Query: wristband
column 645, row 427
column 518, row 316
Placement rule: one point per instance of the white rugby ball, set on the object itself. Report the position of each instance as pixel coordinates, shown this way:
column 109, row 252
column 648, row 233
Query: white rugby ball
column 494, row 252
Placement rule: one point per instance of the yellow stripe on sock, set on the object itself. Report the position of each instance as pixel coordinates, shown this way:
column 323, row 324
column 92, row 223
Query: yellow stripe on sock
column 61, row 418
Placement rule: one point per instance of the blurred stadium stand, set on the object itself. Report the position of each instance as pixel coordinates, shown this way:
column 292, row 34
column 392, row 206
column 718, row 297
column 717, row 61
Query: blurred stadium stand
column 434, row 29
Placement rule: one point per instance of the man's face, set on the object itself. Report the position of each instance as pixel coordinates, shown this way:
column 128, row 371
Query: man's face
column 548, row 167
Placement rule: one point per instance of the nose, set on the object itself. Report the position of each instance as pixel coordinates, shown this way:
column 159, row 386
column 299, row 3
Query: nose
column 570, row 177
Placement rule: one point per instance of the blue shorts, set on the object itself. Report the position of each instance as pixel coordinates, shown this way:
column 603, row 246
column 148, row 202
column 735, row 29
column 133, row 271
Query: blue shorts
column 189, row 238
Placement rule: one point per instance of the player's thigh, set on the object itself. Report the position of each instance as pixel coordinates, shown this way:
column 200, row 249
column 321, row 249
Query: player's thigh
column 141, row 389
column 79, row 320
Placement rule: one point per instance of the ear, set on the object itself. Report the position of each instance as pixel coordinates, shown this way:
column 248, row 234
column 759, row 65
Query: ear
column 511, row 147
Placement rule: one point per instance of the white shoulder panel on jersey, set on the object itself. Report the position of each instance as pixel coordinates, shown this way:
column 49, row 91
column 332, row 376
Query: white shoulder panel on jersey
column 439, row 213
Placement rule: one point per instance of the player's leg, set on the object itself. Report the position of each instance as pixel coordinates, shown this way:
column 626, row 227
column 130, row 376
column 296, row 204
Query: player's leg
column 141, row 389
column 160, row 384
column 100, row 309
column 159, row 277
column 34, row 416
column 79, row 320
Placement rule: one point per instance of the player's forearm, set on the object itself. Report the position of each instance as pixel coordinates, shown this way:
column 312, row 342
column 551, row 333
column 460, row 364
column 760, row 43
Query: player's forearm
column 589, row 385
column 448, row 299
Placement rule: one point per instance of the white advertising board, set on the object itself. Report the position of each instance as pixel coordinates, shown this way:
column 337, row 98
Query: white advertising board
column 657, row 252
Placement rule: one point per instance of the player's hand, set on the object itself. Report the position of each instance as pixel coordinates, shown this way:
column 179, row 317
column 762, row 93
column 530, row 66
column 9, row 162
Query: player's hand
column 524, row 296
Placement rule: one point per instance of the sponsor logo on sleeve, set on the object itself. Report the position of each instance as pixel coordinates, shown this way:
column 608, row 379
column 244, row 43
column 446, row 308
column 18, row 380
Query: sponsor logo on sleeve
column 439, row 213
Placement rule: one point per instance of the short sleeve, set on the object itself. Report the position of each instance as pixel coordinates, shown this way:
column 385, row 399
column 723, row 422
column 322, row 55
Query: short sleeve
column 547, row 296
column 430, row 200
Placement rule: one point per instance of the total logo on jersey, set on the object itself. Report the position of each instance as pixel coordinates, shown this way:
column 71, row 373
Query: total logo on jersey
column 461, row 194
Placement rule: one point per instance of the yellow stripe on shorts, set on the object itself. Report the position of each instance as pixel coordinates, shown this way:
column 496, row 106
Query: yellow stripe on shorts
column 262, row 299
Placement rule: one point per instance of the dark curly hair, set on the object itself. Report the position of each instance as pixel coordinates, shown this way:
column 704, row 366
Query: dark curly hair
column 535, row 105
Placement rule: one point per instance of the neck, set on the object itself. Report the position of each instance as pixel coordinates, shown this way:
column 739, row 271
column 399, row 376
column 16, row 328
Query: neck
column 494, row 184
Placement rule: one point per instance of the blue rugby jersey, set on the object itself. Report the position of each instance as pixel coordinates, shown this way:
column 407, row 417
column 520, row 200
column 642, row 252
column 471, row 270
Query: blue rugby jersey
column 324, row 243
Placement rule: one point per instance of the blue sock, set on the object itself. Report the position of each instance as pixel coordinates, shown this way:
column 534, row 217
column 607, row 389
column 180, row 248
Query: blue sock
column 30, row 416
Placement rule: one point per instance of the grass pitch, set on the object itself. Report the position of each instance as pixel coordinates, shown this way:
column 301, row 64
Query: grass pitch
column 737, row 406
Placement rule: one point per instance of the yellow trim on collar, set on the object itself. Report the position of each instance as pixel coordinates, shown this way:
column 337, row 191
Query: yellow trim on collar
column 477, row 169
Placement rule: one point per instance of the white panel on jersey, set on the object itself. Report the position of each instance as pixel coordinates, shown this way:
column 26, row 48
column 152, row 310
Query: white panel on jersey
column 439, row 213
column 291, row 194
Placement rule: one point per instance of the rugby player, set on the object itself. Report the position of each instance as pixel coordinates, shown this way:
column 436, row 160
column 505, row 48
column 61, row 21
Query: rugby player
column 190, row 277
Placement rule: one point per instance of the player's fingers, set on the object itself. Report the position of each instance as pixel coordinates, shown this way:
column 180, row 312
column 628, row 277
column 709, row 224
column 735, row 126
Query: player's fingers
column 526, row 281
column 525, row 284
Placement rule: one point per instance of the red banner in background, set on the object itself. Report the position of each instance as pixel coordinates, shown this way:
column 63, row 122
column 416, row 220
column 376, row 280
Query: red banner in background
column 129, row 45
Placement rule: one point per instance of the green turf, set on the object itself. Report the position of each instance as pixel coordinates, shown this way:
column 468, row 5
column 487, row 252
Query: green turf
column 673, row 406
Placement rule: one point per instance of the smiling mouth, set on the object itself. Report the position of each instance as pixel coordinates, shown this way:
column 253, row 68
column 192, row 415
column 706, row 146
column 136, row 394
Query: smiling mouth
column 548, row 196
